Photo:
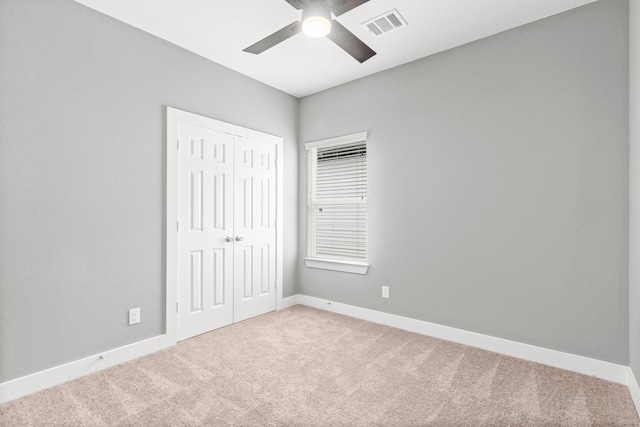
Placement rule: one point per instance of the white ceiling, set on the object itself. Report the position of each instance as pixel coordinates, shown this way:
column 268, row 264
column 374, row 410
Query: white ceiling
column 220, row 29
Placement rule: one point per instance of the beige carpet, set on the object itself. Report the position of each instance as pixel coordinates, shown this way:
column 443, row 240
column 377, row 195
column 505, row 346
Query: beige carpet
column 307, row 367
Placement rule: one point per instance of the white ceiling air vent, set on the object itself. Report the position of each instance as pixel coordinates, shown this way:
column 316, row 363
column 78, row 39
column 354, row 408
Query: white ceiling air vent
column 385, row 22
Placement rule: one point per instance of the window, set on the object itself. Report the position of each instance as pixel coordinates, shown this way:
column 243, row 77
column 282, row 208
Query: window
column 337, row 204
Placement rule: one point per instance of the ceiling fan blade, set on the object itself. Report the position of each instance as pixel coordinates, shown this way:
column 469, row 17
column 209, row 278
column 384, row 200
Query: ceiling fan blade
column 275, row 38
column 346, row 6
column 349, row 43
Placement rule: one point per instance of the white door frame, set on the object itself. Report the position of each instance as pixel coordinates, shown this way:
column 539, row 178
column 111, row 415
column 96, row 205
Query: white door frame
column 174, row 117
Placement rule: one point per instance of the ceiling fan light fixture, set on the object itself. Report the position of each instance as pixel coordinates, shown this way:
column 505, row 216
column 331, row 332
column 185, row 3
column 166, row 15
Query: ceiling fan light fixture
column 316, row 21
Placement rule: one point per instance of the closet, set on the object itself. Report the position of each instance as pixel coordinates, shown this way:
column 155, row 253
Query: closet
column 226, row 225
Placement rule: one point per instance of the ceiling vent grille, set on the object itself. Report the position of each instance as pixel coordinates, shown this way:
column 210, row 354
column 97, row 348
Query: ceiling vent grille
column 385, row 22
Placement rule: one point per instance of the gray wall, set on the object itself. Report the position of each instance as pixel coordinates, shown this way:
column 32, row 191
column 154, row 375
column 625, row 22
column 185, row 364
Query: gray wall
column 82, row 173
column 498, row 184
column 634, row 190
column 498, row 181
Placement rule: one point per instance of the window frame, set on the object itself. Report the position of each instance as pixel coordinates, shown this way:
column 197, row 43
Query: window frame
column 343, row 265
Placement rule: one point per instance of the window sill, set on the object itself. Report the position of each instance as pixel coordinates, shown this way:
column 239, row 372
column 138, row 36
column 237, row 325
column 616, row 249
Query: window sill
column 335, row 265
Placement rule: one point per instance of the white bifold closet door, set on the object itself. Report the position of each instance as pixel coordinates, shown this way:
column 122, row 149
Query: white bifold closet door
column 226, row 229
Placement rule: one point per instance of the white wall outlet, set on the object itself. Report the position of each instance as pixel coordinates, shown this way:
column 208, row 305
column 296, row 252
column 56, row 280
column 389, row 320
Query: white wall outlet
column 385, row 292
column 134, row 316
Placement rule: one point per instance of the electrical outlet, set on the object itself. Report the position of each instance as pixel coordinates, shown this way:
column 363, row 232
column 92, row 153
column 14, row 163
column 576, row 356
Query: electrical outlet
column 134, row 316
column 385, row 292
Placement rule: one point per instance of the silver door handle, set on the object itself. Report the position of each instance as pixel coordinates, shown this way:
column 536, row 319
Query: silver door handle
column 229, row 239
column 239, row 239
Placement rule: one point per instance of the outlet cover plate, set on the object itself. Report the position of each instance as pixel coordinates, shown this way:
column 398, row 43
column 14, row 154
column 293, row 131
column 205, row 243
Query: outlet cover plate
column 134, row 316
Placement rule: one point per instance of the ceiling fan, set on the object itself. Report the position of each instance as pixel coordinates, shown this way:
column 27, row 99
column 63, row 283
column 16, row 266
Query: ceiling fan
column 317, row 22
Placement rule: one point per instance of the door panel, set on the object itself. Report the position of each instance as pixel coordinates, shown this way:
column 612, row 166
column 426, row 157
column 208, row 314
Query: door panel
column 254, row 219
column 205, row 215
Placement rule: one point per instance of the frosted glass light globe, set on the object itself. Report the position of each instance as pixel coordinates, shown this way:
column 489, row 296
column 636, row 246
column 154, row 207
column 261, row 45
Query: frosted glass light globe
column 316, row 26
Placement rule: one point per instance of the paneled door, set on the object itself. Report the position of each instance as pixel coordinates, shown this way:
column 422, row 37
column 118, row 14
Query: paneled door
column 254, row 228
column 226, row 229
column 205, row 227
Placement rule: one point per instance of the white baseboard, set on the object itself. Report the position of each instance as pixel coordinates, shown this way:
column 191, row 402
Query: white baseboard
column 634, row 389
column 28, row 384
column 287, row 302
column 557, row 359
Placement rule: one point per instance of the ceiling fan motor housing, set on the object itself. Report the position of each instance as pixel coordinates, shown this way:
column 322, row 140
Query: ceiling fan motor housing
column 316, row 20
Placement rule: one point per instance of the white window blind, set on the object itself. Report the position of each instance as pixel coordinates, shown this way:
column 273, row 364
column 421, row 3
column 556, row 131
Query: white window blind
column 337, row 200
